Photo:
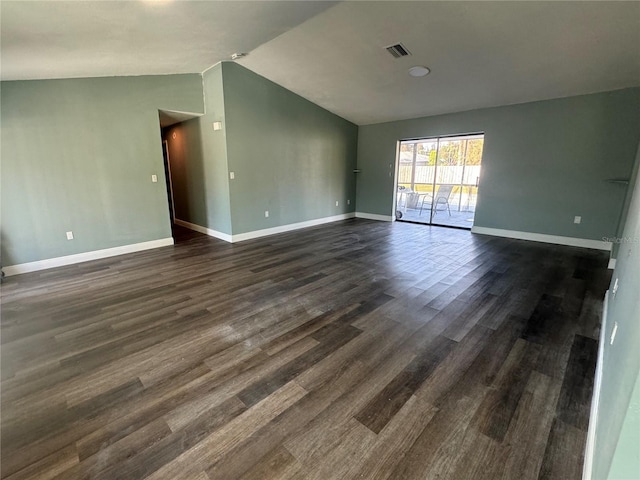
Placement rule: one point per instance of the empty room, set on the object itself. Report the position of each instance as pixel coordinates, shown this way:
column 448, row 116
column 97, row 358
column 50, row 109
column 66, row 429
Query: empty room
column 320, row 240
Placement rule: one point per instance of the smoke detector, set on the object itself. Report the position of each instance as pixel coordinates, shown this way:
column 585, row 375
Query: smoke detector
column 419, row 71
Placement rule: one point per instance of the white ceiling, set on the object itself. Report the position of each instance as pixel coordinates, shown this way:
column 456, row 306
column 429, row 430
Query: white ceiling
column 481, row 53
column 65, row 39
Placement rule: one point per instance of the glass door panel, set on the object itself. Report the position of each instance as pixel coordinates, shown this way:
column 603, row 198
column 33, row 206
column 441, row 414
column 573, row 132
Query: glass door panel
column 471, row 178
column 448, row 185
column 405, row 178
column 416, row 174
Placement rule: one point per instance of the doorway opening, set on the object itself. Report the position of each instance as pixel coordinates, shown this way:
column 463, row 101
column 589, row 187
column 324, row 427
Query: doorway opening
column 438, row 180
column 178, row 144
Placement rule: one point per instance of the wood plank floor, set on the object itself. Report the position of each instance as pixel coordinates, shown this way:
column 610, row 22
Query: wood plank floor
column 356, row 350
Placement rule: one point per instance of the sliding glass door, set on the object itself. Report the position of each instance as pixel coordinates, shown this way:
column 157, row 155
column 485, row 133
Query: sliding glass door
column 438, row 180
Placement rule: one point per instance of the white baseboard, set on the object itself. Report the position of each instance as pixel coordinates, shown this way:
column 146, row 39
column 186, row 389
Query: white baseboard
column 207, row 231
column 137, row 247
column 612, row 264
column 84, row 257
column 587, row 467
column 240, row 237
column 542, row 237
column 375, row 216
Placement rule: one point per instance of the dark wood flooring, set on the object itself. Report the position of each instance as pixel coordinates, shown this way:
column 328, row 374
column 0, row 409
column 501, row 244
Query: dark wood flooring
column 357, row 350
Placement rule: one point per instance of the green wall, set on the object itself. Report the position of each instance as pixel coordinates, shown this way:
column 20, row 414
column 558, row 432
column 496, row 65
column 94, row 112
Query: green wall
column 543, row 162
column 626, row 460
column 624, row 214
column 621, row 361
column 198, row 158
column 289, row 156
column 78, row 155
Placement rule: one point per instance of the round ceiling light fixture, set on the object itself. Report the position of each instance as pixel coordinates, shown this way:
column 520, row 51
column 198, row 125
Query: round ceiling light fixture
column 419, row 71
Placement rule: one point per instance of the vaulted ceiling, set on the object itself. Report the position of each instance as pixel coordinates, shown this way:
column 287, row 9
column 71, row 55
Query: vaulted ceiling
column 481, row 54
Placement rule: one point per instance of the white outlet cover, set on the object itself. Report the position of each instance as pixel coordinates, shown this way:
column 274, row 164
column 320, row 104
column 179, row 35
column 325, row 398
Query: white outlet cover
column 348, row 202
column 577, row 219
column 266, row 214
column 154, row 178
column 337, row 203
column 232, row 175
column 69, row 235
column 217, row 126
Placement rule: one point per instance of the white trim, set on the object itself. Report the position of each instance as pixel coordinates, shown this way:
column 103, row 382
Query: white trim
column 542, row 237
column 587, row 468
column 612, row 264
column 241, row 237
column 207, row 231
column 292, row 226
column 84, row 257
column 374, row 216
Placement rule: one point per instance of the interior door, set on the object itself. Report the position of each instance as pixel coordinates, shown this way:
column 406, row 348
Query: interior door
column 167, row 176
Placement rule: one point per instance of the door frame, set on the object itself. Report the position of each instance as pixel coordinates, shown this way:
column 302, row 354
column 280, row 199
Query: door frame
column 167, row 161
column 397, row 173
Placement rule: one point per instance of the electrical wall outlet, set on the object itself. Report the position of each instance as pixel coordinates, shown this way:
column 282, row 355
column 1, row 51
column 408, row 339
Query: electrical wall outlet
column 266, row 214
column 348, row 202
column 577, row 219
column 154, row 178
column 232, row 175
column 69, row 235
column 337, row 203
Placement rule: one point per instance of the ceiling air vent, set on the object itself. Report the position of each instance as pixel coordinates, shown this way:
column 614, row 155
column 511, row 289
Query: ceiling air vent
column 398, row 50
